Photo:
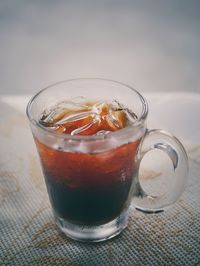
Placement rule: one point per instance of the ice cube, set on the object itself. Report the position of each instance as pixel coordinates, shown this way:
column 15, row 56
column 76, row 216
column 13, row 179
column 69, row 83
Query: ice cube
column 130, row 115
column 61, row 110
column 82, row 129
column 47, row 118
column 118, row 118
column 74, row 117
column 78, row 116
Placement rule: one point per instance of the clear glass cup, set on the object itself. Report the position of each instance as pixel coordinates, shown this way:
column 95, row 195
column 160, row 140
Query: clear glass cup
column 93, row 180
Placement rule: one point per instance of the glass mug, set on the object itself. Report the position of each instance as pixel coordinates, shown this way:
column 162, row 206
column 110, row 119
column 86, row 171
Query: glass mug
column 92, row 180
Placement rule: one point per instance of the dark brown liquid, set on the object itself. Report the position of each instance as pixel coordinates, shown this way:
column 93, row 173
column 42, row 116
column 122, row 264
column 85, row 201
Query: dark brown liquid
column 89, row 188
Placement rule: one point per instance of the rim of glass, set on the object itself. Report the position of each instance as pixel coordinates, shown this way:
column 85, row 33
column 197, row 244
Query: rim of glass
column 124, row 130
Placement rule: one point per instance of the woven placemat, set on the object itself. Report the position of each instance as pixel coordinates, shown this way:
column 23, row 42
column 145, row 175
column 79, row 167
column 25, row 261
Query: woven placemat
column 28, row 235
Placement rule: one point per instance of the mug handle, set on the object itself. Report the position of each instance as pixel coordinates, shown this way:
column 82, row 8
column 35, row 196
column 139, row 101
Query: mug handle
column 164, row 141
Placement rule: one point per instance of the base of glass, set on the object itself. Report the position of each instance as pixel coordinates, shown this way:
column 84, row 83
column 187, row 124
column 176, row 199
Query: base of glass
column 93, row 233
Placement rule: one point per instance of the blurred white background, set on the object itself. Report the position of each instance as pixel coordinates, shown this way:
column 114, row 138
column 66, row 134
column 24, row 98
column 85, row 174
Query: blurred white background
column 153, row 45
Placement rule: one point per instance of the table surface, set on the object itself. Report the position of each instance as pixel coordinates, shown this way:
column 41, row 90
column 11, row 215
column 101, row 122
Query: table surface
column 28, row 235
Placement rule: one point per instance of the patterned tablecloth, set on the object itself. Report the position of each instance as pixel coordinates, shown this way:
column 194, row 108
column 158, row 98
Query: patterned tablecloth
column 28, row 235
